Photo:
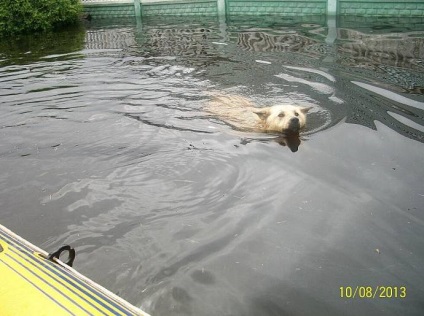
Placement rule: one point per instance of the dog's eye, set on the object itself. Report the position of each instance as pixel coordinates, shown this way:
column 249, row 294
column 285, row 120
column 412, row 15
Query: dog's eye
column 281, row 114
column 296, row 114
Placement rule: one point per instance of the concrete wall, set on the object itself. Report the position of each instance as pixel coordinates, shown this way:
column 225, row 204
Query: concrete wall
column 381, row 7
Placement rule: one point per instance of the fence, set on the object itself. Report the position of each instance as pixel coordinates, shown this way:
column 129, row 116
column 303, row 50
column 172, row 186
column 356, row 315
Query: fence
column 138, row 8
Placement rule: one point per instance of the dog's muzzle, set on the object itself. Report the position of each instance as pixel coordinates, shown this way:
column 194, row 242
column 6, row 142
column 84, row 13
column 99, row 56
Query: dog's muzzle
column 294, row 125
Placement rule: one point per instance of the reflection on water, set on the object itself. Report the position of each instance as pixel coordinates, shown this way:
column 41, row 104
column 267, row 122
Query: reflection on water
column 105, row 145
column 371, row 50
column 263, row 42
column 292, row 142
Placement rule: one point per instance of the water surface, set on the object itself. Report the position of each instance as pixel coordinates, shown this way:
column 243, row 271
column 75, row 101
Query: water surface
column 105, row 146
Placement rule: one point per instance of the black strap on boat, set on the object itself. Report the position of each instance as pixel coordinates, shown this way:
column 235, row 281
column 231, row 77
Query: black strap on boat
column 57, row 253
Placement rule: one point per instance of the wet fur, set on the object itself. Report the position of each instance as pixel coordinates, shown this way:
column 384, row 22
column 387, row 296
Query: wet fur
column 241, row 113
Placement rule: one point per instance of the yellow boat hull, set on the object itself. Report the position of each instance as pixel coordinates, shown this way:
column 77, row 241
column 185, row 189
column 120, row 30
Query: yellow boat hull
column 33, row 285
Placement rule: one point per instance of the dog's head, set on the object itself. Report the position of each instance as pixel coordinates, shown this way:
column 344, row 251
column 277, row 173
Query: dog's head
column 287, row 119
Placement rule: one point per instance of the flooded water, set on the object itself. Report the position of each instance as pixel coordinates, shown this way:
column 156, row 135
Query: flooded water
column 105, row 145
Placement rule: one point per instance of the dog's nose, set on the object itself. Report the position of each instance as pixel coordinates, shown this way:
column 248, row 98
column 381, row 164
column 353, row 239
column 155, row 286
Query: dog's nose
column 294, row 124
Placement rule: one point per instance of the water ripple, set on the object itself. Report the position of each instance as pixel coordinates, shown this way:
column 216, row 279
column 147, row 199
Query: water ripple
column 105, row 145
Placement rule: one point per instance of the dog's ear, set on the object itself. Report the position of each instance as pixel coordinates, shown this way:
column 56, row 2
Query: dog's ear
column 305, row 110
column 262, row 113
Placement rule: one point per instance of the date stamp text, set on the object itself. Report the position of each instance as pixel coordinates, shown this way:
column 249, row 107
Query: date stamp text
column 373, row 292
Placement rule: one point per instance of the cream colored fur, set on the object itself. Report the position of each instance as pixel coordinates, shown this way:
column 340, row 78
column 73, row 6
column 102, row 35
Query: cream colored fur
column 241, row 113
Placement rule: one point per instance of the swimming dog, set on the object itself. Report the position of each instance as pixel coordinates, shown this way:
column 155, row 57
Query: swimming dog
column 241, row 113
